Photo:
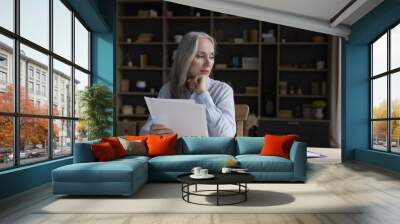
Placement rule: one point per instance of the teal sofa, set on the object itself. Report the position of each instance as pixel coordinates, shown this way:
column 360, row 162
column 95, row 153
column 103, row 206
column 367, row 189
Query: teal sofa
column 125, row 176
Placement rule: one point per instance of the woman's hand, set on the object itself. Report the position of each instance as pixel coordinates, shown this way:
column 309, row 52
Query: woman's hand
column 198, row 84
column 159, row 129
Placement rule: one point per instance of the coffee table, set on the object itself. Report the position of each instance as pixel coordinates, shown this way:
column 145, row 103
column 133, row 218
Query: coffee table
column 238, row 179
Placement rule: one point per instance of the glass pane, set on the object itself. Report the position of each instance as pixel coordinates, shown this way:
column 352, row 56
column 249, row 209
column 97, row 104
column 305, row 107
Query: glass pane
column 81, row 131
column 379, row 55
column 62, row 138
column 395, row 136
column 35, row 21
column 81, row 45
column 6, row 142
column 7, row 14
column 395, row 47
column 379, row 135
column 6, row 74
column 62, row 29
column 62, row 89
column 395, row 94
column 379, row 97
column 81, row 81
column 34, row 92
column 33, row 139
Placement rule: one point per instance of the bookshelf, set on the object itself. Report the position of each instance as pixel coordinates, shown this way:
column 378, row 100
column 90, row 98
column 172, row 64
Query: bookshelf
column 298, row 59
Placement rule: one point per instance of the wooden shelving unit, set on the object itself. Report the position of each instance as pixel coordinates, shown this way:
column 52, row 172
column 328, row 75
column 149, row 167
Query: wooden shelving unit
column 291, row 58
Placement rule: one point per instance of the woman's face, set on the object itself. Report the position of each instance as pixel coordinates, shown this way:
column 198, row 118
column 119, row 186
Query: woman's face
column 203, row 60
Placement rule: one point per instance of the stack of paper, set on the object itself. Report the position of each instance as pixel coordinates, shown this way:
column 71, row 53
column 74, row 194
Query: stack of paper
column 184, row 117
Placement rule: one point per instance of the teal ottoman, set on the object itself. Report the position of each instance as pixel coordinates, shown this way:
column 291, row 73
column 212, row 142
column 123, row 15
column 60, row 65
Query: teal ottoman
column 118, row 177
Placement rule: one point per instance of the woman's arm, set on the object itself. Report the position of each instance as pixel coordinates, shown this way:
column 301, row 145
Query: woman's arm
column 220, row 111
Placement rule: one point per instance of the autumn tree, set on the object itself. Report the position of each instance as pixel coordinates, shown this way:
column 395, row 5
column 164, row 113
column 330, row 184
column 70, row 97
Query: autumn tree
column 380, row 127
column 33, row 130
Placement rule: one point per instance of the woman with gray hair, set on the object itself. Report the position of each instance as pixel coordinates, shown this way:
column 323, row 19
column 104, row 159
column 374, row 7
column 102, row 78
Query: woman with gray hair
column 189, row 79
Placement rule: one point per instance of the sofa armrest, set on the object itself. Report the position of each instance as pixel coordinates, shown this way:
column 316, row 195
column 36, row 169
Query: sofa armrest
column 298, row 155
column 83, row 152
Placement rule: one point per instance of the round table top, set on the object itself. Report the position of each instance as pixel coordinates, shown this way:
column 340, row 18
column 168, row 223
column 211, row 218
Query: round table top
column 220, row 178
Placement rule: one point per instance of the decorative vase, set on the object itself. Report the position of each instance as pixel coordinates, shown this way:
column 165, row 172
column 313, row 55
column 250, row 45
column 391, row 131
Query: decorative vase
column 319, row 114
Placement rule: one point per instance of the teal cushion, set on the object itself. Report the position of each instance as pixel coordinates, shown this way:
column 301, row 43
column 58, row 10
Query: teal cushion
column 185, row 163
column 249, row 145
column 83, row 152
column 206, row 145
column 111, row 171
column 257, row 163
column 133, row 158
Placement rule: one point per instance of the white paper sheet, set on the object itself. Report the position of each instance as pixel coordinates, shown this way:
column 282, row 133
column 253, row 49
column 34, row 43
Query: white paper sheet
column 184, row 117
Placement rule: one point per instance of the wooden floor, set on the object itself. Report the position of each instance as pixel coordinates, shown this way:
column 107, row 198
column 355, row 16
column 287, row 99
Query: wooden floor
column 378, row 189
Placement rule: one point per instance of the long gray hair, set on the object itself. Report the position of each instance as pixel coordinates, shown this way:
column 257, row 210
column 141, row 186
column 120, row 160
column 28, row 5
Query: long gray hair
column 183, row 59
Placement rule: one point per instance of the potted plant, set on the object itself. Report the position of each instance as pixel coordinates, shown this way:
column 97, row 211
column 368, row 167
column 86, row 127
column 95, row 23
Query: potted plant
column 318, row 106
column 97, row 104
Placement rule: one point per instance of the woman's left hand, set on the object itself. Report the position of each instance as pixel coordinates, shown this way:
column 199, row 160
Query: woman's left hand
column 200, row 84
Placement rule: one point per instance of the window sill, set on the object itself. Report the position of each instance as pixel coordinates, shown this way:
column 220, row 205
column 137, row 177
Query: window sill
column 26, row 167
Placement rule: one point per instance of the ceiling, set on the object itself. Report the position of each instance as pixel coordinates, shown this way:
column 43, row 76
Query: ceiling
column 333, row 17
column 319, row 9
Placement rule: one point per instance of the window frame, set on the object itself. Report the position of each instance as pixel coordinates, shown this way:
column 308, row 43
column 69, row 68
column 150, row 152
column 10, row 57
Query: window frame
column 16, row 114
column 388, row 74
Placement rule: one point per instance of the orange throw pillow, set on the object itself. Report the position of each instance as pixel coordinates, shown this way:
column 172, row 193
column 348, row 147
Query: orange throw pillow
column 159, row 145
column 103, row 151
column 116, row 145
column 135, row 137
column 277, row 145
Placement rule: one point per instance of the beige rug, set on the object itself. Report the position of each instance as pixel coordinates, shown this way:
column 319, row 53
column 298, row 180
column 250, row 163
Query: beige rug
column 166, row 198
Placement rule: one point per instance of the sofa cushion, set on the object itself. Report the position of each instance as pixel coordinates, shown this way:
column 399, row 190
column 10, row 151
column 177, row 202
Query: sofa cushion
column 134, row 147
column 249, row 145
column 135, row 137
column 160, row 145
column 257, row 163
column 277, row 145
column 83, row 152
column 111, row 171
column 116, row 145
column 103, row 152
column 206, row 145
column 185, row 163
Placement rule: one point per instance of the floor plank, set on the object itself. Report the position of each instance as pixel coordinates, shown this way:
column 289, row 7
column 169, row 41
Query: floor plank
column 376, row 190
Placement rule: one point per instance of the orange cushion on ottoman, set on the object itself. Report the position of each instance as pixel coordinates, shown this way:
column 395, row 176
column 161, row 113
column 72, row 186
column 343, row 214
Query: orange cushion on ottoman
column 159, row 145
column 277, row 145
column 135, row 137
column 116, row 145
column 103, row 151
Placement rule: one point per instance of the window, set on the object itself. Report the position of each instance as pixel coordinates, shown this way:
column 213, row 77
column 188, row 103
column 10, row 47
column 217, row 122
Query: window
column 7, row 14
column 3, row 61
column 30, row 72
column 81, row 45
column 37, row 74
column 30, row 87
column 38, row 89
column 34, row 21
column 62, row 74
column 36, row 116
column 62, row 29
column 6, row 74
column 3, row 78
column 43, row 77
column 385, row 92
column 43, row 90
column 3, row 72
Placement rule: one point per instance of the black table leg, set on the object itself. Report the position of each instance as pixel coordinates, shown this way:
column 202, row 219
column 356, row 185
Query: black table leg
column 245, row 193
column 217, row 194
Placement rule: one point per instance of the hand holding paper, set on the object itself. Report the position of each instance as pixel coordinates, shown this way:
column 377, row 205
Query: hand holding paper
column 183, row 117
